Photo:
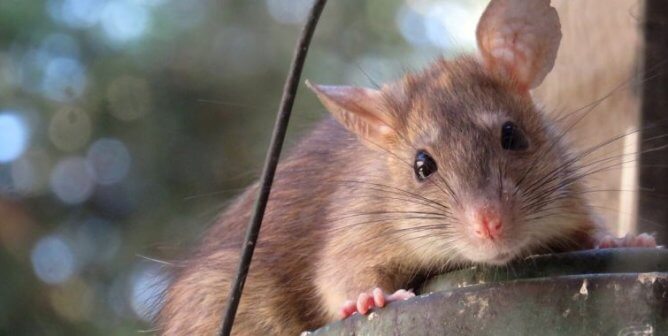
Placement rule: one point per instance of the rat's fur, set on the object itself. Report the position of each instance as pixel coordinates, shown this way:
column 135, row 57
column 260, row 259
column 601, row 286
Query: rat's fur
column 345, row 216
column 347, row 213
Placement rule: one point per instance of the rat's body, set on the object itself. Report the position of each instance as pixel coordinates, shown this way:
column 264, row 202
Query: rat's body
column 349, row 202
column 451, row 166
column 287, row 253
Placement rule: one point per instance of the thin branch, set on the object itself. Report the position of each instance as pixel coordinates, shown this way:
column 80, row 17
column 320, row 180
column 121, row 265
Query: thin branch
column 269, row 170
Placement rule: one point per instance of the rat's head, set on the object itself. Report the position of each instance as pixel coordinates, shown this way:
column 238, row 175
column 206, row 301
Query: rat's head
column 466, row 142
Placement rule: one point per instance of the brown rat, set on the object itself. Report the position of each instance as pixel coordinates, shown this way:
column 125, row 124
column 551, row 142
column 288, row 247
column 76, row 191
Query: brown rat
column 451, row 166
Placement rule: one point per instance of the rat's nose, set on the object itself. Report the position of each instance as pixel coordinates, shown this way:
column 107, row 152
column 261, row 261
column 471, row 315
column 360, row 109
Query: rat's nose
column 487, row 224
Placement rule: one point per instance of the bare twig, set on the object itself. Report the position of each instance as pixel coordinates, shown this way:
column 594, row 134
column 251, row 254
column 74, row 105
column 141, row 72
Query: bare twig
column 278, row 136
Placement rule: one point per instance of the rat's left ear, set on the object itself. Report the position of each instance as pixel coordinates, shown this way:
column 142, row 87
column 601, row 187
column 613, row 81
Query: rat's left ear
column 520, row 39
column 362, row 111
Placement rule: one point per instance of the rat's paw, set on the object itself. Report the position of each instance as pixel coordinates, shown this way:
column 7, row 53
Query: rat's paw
column 630, row 240
column 377, row 298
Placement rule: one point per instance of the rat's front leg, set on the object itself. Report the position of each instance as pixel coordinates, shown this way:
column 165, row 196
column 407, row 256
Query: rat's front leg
column 630, row 240
column 593, row 233
column 346, row 289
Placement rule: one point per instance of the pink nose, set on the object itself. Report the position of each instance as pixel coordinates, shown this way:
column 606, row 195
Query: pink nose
column 488, row 224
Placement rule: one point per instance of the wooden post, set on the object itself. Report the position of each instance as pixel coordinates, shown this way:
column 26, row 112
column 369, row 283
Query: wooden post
column 653, row 184
column 600, row 52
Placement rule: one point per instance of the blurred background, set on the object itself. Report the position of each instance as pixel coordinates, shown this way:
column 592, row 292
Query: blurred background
column 126, row 125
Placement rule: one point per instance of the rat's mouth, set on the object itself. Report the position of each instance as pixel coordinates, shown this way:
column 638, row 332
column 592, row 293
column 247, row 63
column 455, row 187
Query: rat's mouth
column 493, row 255
column 502, row 258
column 502, row 254
column 496, row 253
column 492, row 258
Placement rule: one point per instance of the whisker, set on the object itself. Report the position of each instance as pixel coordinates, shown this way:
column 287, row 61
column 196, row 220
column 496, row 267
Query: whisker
column 379, row 221
column 401, row 190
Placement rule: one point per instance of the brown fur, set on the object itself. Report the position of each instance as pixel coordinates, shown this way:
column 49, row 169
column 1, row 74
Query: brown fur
column 333, row 228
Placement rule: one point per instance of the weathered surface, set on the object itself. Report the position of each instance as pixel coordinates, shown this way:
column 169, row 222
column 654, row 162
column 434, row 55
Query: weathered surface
column 627, row 260
column 627, row 296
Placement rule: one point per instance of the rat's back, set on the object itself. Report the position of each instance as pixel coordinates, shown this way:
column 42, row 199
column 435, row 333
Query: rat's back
column 277, row 293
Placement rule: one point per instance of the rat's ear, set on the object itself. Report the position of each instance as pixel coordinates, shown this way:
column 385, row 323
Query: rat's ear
column 520, row 39
column 362, row 111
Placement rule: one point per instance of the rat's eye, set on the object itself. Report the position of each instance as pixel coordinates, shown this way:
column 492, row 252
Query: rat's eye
column 424, row 165
column 512, row 137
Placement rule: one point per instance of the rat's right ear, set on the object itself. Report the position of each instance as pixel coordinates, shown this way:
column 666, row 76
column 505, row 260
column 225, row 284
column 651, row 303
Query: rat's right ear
column 362, row 111
column 520, row 39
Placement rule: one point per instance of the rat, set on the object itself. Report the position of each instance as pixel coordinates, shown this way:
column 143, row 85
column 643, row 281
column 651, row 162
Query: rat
column 451, row 166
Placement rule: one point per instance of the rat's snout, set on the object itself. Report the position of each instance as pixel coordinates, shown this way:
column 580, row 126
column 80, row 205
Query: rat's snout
column 489, row 229
column 486, row 222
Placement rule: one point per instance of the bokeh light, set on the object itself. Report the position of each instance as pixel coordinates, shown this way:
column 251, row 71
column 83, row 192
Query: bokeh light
column 412, row 26
column 116, row 297
column 149, row 2
column 110, row 160
column 13, row 136
column 64, row 79
column 448, row 25
column 30, row 173
column 129, row 98
column 97, row 240
column 120, row 20
column 52, row 68
column 124, row 20
column 53, row 260
column 70, row 129
column 72, row 180
column 73, row 300
column 59, row 45
column 148, row 284
column 76, row 13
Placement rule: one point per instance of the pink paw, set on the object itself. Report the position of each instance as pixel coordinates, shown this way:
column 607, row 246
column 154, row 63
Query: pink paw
column 377, row 298
column 630, row 240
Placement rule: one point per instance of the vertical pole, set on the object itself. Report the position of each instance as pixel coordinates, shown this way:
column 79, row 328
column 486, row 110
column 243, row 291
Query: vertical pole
column 653, row 179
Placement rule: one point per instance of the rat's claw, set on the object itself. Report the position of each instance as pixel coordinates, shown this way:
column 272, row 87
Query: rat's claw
column 348, row 308
column 400, row 295
column 364, row 303
column 630, row 240
column 376, row 299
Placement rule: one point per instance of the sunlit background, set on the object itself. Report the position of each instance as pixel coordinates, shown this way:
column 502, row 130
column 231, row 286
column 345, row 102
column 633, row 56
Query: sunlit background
column 125, row 125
